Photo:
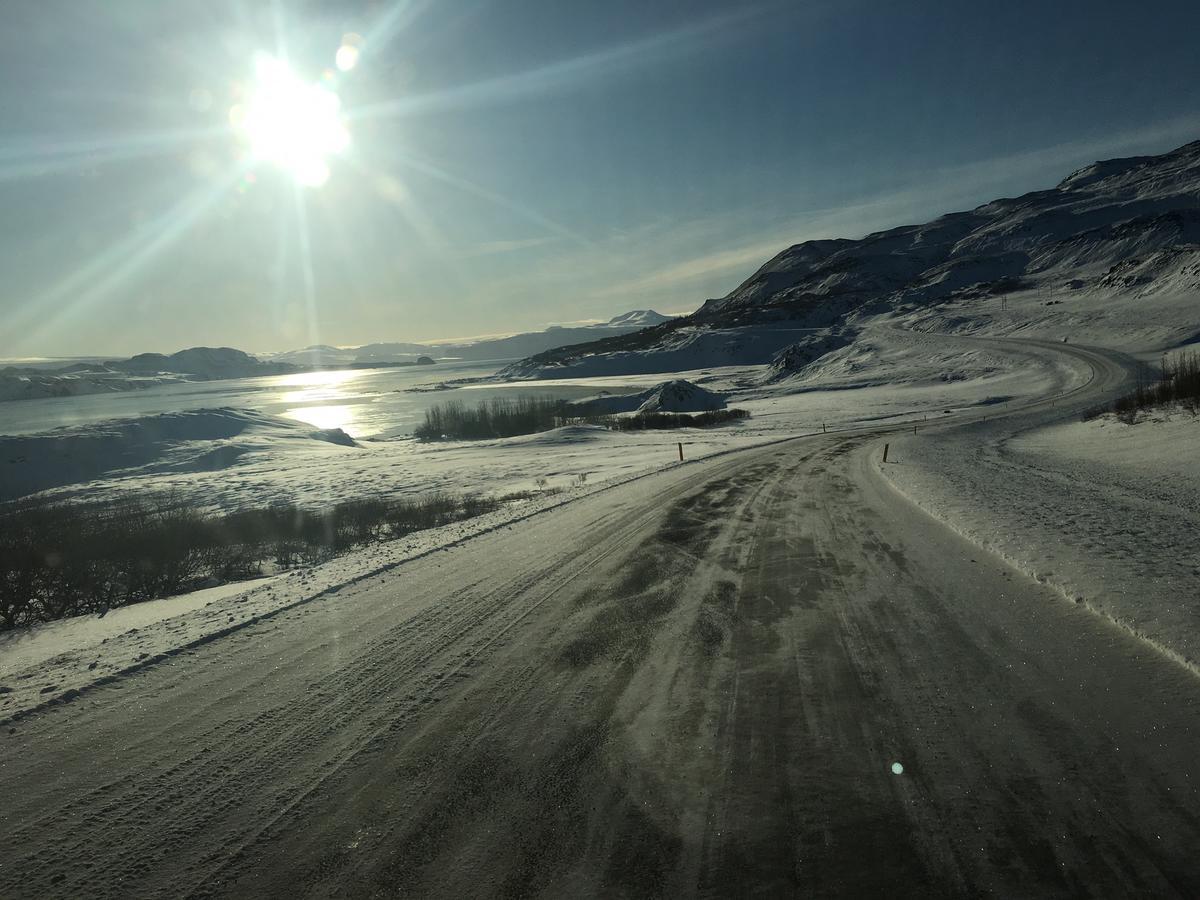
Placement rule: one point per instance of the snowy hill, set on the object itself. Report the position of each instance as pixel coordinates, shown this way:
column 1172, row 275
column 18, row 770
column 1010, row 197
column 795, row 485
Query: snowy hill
column 794, row 360
column 141, row 371
column 202, row 362
column 681, row 396
column 203, row 440
column 1118, row 241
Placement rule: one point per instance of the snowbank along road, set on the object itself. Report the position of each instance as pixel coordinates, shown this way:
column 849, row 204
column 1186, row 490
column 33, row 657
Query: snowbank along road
column 764, row 673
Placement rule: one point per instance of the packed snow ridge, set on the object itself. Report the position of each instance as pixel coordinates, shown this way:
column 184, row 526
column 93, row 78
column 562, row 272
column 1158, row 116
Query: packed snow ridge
column 1113, row 250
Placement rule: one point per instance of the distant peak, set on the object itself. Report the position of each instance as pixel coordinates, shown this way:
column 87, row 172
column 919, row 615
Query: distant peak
column 642, row 317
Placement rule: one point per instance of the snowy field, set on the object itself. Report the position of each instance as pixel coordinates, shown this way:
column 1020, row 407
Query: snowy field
column 286, row 445
column 1101, row 511
column 269, row 458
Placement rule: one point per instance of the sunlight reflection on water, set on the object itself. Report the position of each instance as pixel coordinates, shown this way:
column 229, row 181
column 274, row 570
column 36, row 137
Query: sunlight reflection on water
column 319, row 392
column 317, row 385
column 342, row 417
column 368, row 404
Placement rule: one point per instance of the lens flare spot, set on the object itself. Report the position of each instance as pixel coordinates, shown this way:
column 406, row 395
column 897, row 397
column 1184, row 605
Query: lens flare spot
column 346, row 57
column 349, row 52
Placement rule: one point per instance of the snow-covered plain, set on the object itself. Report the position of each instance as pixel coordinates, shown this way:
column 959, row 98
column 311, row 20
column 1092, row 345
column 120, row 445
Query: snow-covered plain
column 1102, row 511
column 283, row 461
column 250, row 459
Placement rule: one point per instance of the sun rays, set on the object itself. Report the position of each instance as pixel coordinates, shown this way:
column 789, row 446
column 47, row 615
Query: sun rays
column 286, row 118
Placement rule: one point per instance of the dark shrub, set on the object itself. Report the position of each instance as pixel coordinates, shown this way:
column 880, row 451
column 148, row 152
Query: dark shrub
column 58, row 560
column 1178, row 381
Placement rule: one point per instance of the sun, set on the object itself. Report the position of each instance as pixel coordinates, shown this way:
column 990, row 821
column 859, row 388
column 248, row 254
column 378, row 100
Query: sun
column 291, row 123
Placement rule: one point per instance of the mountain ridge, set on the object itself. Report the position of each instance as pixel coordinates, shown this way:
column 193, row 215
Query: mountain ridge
column 1111, row 229
column 145, row 370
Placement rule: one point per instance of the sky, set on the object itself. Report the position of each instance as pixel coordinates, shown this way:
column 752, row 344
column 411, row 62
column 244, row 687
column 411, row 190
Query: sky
column 492, row 167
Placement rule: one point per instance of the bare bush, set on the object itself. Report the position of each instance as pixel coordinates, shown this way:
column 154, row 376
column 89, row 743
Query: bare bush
column 495, row 418
column 527, row 415
column 60, row 560
column 1177, row 381
column 667, row 421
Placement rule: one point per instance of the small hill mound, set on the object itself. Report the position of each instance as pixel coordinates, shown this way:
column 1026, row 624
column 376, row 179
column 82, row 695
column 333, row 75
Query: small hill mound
column 680, row 396
column 202, row 362
column 677, row 396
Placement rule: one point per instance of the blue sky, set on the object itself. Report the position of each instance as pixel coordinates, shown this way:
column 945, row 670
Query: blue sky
column 514, row 164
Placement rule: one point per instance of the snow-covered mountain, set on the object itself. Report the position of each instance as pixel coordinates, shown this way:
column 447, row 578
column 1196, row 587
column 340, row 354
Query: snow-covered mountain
column 487, row 348
column 1104, row 215
column 638, row 318
column 1112, row 249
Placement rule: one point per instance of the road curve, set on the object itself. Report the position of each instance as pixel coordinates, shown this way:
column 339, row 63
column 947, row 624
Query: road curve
column 760, row 674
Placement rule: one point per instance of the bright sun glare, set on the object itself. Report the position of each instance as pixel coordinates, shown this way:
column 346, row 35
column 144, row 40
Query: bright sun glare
column 291, row 123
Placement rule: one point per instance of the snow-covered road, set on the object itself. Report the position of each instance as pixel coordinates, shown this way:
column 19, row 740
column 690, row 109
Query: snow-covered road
column 765, row 672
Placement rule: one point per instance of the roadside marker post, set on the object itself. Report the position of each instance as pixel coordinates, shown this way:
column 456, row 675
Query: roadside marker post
column 885, row 450
column 681, row 451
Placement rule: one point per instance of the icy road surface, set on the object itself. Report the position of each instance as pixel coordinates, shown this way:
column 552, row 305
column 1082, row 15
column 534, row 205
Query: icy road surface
column 763, row 673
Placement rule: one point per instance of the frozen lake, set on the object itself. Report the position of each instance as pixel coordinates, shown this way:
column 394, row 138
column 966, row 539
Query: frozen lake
column 365, row 403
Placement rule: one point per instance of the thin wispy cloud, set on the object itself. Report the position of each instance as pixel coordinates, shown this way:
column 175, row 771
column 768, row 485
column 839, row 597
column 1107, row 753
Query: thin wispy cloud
column 487, row 248
column 569, row 74
column 698, row 268
column 463, row 184
column 591, row 159
column 682, row 263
